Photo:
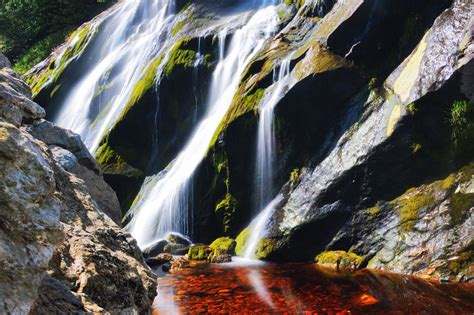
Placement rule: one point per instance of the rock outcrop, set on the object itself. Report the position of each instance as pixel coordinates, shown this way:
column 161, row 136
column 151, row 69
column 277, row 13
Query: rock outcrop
column 61, row 250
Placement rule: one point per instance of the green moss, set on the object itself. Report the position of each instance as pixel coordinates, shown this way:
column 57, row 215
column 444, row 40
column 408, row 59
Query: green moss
column 39, row 51
column 339, row 258
column 415, row 147
column 180, row 55
column 372, row 84
column 111, row 162
column 411, row 108
column 295, row 175
column 265, row 248
column 374, row 210
column 199, row 252
column 178, row 27
column 240, row 105
column 241, row 241
column 459, row 207
column 226, row 210
column 223, row 245
column 409, row 207
column 50, row 74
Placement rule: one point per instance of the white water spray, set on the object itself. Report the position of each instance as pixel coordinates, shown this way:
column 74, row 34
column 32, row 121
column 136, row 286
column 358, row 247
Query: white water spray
column 132, row 37
column 164, row 200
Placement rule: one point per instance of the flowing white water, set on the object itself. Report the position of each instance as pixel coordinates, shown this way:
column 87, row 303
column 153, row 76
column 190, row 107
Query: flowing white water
column 129, row 39
column 264, row 170
column 164, row 201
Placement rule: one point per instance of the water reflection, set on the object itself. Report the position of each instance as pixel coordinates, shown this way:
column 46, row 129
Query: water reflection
column 243, row 287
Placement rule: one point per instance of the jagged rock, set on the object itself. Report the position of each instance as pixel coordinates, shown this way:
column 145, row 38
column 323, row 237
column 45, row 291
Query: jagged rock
column 54, row 135
column 16, row 105
column 71, row 153
column 220, row 259
column 4, row 62
column 97, row 267
column 30, row 230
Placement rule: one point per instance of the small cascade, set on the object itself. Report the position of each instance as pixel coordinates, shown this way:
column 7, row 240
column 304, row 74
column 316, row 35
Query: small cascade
column 165, row 199
column 264, row 169
column 130, row 39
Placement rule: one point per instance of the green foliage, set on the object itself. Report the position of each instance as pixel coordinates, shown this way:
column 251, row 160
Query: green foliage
column 295, row 175
column 226, row 210
column 40, row 50
column 26, row 22
column 462, row 121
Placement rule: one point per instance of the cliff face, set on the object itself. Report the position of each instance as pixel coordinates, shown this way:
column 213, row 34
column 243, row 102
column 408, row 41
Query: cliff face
column 61, row 250
column 374, row 137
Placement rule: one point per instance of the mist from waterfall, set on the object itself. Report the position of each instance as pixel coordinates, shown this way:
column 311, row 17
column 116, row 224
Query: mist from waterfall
column 266, row 158
column 133, row 36
column 164, row 200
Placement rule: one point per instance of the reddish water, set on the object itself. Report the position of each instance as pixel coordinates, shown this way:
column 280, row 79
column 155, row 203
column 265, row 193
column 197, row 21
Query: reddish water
column 305, row 289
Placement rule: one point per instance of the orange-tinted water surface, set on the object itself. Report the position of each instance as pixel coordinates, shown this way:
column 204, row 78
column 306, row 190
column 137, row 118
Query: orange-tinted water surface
column 305, row 289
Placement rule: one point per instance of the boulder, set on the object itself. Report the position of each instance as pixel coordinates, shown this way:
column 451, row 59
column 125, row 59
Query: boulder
column 340, row 260
column 224, row 245
column 199, row 252
column 179, row 239
column 155, row 249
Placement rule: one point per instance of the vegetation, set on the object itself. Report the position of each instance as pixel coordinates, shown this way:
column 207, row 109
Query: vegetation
column 241, row 241
column 409, row 207
column 31, row 28
column 199, row 252
column 462, row 121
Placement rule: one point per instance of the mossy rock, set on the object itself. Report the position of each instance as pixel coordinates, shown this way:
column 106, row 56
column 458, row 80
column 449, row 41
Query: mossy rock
column 409, row 208
column 265, row 248
column 241, row 241
column 340, row 259
column 199, row 252
column 224, row 245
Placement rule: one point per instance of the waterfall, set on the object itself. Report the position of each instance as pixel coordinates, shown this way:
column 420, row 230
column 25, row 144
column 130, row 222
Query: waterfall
column 130, row 39
column 264, row 169
column 164, row 200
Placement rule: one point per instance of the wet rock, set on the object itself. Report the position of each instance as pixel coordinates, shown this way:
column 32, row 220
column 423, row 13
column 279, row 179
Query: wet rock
column 176, row 249
column 219, row 258
column 199, row 252
column 179, row 239
column 159, row 260
column 155, row 249
column 179, row 263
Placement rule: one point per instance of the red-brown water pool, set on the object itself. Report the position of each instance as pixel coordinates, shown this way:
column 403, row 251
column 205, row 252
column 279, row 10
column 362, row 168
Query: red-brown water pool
column 240, row 288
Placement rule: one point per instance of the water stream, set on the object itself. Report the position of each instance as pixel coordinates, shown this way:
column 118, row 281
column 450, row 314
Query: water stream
column 132, row 37
column 164, row 200
column 266, row 158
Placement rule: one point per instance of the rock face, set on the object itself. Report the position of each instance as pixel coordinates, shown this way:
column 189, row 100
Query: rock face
column 61, row 250
column 377, row 122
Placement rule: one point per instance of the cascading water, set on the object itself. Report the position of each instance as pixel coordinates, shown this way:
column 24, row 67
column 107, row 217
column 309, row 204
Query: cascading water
column 265, row 160
column 164, row 200
column 131, row 38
